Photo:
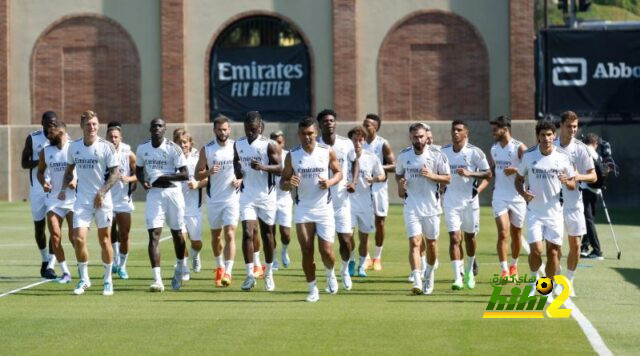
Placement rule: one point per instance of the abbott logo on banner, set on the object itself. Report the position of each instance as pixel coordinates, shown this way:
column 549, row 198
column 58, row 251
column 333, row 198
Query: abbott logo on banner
column 576, row 67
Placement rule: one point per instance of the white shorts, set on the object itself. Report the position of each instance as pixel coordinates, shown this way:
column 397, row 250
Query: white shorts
column 223, row 214
column 380, row 195
column 549, row 229
column 83, row 214
column 193, row 227
column 123, row 205
column 38, row 203
column 343, row 220
column 284, row 214
column 575, row 222
column 516, row 209
column 263, row 210
column 60, row 211
column 427, row 226
column 325, row 228
column 363, row 220
column 165, row 203
column 464, row 218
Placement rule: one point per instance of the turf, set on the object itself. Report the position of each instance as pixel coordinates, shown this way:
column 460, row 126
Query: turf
column 378, row 316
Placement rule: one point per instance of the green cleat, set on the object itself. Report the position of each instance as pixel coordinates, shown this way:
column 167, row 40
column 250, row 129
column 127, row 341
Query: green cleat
column 457, row 284
column 470, row 280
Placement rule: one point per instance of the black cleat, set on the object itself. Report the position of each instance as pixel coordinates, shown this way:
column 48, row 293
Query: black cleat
column 43, row 268
column 475, row 267
column 49, row 273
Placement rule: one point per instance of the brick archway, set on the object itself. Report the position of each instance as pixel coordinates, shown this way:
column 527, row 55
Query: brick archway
column 86, row 62
column 433, row 65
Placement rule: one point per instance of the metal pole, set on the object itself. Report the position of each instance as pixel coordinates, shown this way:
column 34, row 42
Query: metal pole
column 546, row 15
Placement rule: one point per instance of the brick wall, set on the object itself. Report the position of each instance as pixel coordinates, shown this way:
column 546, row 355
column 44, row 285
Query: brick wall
column 4, row 62
column 433, row 66
column 345, row 96
column 521, row 71
column 173, row 58
column 86, row 62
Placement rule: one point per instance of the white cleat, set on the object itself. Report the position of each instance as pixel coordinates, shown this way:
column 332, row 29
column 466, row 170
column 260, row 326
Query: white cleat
column 81, row 287
column 313, row 296
column 332, row 285
column 269, row 283
column 156, row 287
column 410, row 279
column 248, row 283
column 346, row 281
column 427, row 286
column 416, row 287
column 186, row 275
column 108, row 289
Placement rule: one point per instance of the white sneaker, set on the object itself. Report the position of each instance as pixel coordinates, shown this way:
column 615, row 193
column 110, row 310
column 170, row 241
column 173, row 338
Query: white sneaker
column 410, row 279
column 332, row 285
column 186, row 275
column 427, row 286
column 269, row 283
column 285, row 259
column 81, row 286
column 346, row 281
column 313, row 296
column 108, row 289
column 248, row 283
column 416, row 287
column 196, row 265
column 156, row 287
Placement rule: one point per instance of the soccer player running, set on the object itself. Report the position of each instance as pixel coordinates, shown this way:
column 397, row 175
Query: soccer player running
column 122, row 202
column 215, row 163
column 256, row 160
column 160, row 163
column 284, row 214
column 52, row 164
column 381, row 148
column 420, row 170
column 468, row 164
column 509, row 207
column 91, row 157
column 306, row 170
column 35, row 142
column 369, row 172
column 573, row 207
column 345, row 154
column 546, row 168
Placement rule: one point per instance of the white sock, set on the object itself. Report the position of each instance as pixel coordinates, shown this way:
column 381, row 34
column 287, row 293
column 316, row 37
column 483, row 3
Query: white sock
column 378, row 254
column 249, row 268
column 83, row 271
column 344, row 267
column 183, row 263
column 428, row 271
column 228, row 267
column 329, row 272
column 455, row 268
column 361, row 260
column 535, row 275
column 106, row 278
column 219, row 261
column 312, row 285
column 423, row 263
column 194, row 254
column 352, row 256
column 256, row 259
column 123, row 260
column 268, row 270
column 44, row 254
column 157, row 276
column 368, row 257
column 64, row 267
column 513, row 261
column 503, row 266
column 52, row 261
column 570, row 275
column 469, row 267
column 416, row 275
column 116, row 248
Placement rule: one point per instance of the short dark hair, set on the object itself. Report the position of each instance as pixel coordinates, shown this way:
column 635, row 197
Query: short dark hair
column 544, row 125
column 49, row 115
column 326, row 112
column 459, row 122
column 591, row 138
column 375, row 118
column 252, row 117
column 114, row 124
column 501, row 121
column 568, row 115
column 358, row 130
column 419, row 125
column 276, row 134
column 305, row 122
column 59, row 124
column 219, row 120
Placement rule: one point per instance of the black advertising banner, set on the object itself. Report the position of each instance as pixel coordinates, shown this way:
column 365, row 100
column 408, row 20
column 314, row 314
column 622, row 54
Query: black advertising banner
column 590, row 71
column 273, row 80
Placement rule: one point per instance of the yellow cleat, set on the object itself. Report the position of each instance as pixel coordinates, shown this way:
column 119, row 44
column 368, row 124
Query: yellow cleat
column 377, row 264
column 226, row 280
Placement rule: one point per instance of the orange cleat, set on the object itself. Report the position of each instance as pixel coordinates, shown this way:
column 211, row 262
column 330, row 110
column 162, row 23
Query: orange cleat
column 259, row 272
column 504, row 274
column 226, row 280
column 513, row 269
column 219, row 274
column 377, row 264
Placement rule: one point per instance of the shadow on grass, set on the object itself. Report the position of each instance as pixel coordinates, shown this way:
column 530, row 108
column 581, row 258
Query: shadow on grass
column 631, row 275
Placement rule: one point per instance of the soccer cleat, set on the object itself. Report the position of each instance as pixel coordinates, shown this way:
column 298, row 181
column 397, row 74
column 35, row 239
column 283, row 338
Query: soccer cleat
column 269, row 283
column 219, row 275
column 427, row 286
column 595, row 256
column 475, row 266
column 410, row 279
column 470, row 280
column 416, row 287
column 504, row 273
column 332, row 285
column 65, row 278
column 275, row 265
column 513, row 269
column 196, row 265
column 176, row 281
column 156, row 287
column 367, row 264
column 584, row 253
column 377, row 264
column 313, row 296
column 49, row 273
column 226, row 280
column 81, row 286
column 186, row 275
column 346, row 281
column 258, row 271
column 122, row 273
column 285, row 259
column 108, row 289
column 352, row 268
column 43, row 268
column 114, row 268
column 248, row 283
column 457, row 284
column 361, row 271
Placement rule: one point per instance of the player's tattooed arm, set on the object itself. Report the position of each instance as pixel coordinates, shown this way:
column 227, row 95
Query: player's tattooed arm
column 114, row 176
column 486, row 174
column 165, row 180
column 288, row 180
column 27, row 152
column 41, row 167
column 275, row 157
column 334, row 166
column 237, row 167
column 389, row 160
column 519, row 183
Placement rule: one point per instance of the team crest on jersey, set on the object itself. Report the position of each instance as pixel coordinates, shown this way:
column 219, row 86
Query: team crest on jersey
column 534, row 162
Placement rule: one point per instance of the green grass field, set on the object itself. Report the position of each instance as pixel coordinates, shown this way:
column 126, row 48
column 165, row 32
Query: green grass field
column 378, row 316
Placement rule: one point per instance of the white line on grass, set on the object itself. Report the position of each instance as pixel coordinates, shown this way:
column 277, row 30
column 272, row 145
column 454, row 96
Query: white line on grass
column 589, row 330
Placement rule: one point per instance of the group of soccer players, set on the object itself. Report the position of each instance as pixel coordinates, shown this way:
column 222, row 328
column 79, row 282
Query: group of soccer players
column 337, row 184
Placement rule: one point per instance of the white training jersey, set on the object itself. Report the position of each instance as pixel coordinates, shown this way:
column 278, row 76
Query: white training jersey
column 56, row 161
column 370, row 166
column 281, row 194
column 38, row 141
column 92, row 167
column 542, row 179
column 120, row 190
column 422, row 197
column 163, row 160
column 582, row 162
column 376, row 148
column 346, row 154
column 220, row 188
column 503, row 157
column 310, row 167
column 192, row 197
column 259, row 185
column 462, row 189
